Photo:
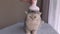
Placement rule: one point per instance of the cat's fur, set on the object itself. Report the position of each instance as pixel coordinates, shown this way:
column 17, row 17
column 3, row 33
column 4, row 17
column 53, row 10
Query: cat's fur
column 32, row 22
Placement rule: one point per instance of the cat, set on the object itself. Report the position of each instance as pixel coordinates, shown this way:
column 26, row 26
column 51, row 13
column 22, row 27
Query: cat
column 32, row 22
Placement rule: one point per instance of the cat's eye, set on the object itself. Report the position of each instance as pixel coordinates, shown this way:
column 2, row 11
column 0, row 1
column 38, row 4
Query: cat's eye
column 34, row 16
column 30, row 16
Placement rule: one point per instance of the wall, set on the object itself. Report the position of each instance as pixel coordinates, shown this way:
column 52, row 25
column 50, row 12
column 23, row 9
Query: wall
column 21, row 8
column 7, row 13
column 54, row 15
column 11, row 12
column 52, row 10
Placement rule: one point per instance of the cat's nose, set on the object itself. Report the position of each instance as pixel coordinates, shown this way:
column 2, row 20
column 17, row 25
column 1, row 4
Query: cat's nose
column 32, row 18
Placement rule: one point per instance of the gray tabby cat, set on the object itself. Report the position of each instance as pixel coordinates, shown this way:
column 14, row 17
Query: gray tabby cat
column 32, row 22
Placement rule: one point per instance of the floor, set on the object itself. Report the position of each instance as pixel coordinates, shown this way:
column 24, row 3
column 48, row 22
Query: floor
column 18, row 29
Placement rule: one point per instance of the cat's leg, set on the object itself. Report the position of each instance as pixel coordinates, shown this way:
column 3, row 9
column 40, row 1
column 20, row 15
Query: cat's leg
column 28, row 31
column 34, row 32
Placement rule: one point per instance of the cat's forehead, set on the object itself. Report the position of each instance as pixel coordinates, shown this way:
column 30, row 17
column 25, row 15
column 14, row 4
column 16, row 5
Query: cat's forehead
column 34, row 12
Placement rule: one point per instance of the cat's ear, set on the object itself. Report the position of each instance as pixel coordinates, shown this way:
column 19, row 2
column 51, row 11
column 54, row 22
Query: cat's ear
column 26, row 12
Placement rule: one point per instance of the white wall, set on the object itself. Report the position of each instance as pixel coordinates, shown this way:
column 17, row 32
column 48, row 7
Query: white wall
column 52, row 9
column 54, row 15
column 57, row 20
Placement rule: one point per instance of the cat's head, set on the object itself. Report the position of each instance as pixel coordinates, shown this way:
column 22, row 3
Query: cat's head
column 33, row 15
